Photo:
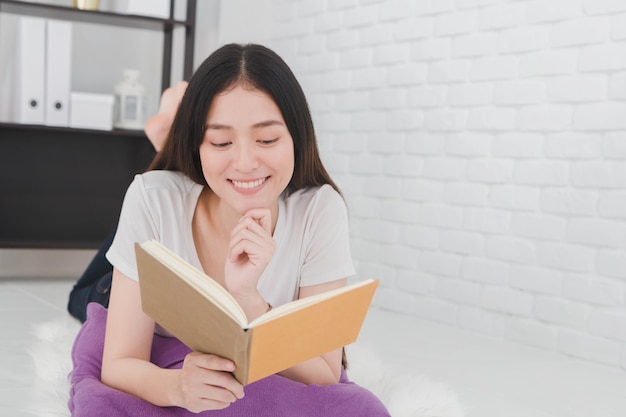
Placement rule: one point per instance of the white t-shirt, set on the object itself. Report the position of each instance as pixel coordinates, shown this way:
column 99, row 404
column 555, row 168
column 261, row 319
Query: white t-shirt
column 312, row 237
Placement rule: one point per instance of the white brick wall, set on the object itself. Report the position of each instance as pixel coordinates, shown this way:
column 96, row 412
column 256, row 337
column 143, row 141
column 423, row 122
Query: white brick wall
column 481, row 147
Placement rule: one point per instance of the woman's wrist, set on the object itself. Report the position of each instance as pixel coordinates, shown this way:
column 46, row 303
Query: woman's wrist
column 254, row 305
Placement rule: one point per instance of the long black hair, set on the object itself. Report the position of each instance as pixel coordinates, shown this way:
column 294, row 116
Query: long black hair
column 262, row 69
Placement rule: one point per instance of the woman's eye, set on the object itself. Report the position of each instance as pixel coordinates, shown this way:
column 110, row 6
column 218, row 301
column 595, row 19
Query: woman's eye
column 220, row 144
column 268, row 141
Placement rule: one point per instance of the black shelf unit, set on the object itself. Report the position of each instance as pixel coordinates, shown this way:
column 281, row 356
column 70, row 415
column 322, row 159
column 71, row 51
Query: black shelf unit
column 62, row 187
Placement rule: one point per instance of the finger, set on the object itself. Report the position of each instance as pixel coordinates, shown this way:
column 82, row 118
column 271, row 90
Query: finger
column 229, row 392
column 250, row 224
column 254, row 248
column 222, row 386
column 252, row 232
column 243, row 250
column 199, row 404
column 252, row 237
column 219, row 394
column 262, row 216
column 223, row 377
column 237, row 251
column 217, row 398
column 213, row 362
column 210, row 387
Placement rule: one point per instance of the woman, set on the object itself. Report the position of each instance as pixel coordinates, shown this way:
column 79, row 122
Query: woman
column 238, row 190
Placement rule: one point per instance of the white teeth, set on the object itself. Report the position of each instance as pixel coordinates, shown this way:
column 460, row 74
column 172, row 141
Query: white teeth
column 251, row 184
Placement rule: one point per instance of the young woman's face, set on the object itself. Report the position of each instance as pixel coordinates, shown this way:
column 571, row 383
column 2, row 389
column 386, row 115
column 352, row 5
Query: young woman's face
column 247, row 152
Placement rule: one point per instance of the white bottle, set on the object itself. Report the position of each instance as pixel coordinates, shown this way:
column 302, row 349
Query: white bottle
column 130, row 102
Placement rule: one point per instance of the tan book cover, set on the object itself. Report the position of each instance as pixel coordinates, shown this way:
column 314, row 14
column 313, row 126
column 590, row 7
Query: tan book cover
column 204, row 316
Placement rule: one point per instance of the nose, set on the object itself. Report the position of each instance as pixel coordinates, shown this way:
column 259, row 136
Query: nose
column 245, row 158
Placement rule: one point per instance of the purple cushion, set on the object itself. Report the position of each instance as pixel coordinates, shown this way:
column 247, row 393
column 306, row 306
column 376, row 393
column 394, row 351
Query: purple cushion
column 273, row 396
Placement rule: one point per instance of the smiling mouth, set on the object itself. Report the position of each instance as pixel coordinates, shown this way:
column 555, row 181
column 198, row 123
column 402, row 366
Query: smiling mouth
column 246, row 185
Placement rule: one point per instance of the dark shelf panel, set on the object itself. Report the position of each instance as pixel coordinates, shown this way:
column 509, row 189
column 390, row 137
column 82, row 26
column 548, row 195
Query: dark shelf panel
column 52, row 243
column 5, row 126
column 87, row 16
column 70, row 130
column 63, row 188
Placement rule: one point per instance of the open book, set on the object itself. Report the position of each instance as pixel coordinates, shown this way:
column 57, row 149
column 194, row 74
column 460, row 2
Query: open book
column 203, row 315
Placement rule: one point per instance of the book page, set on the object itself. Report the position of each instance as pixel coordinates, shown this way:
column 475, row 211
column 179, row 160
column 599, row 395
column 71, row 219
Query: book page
column 200, row 281
column 304, row 302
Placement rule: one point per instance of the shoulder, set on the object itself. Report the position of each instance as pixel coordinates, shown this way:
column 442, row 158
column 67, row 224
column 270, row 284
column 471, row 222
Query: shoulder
column 315, row 199
column 161, row 179
column 156, row 188
column 313, row 195
column 156, row 183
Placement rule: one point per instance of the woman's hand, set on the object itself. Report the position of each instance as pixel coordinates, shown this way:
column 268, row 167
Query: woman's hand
column 250, row 249
column 207, row 384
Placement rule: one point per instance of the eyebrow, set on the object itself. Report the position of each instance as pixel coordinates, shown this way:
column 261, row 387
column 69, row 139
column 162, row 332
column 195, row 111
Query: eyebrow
column 259, row 125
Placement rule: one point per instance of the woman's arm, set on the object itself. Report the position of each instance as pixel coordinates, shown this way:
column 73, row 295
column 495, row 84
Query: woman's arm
column 250, row 250
column 126, row 360
column 204, row 382
column 325, row 369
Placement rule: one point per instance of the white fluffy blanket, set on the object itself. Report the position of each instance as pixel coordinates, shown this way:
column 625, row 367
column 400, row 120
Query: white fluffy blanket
column 405, row 395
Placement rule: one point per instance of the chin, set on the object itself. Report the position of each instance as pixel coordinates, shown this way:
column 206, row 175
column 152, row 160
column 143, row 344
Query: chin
column 244, row 208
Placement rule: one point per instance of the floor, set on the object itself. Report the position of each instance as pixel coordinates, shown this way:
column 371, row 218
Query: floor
column 23, row 304
column 492, row 378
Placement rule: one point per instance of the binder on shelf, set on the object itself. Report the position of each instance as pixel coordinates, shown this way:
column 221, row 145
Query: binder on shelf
column 31, row 69
column 58, row 73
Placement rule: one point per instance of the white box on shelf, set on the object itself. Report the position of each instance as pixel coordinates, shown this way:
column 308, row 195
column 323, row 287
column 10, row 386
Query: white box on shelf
column 152, row 8
column 91, row 111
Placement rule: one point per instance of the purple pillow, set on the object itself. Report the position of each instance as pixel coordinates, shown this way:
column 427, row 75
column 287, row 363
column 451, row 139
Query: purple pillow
column 273, row 396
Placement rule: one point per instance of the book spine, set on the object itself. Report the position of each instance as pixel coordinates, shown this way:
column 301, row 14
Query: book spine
column 243, row 347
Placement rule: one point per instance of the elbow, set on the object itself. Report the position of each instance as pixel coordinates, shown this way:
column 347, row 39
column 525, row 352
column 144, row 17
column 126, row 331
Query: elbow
column 325, row 379
column 107, row 374
column 332, row 380
column 336, row 376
